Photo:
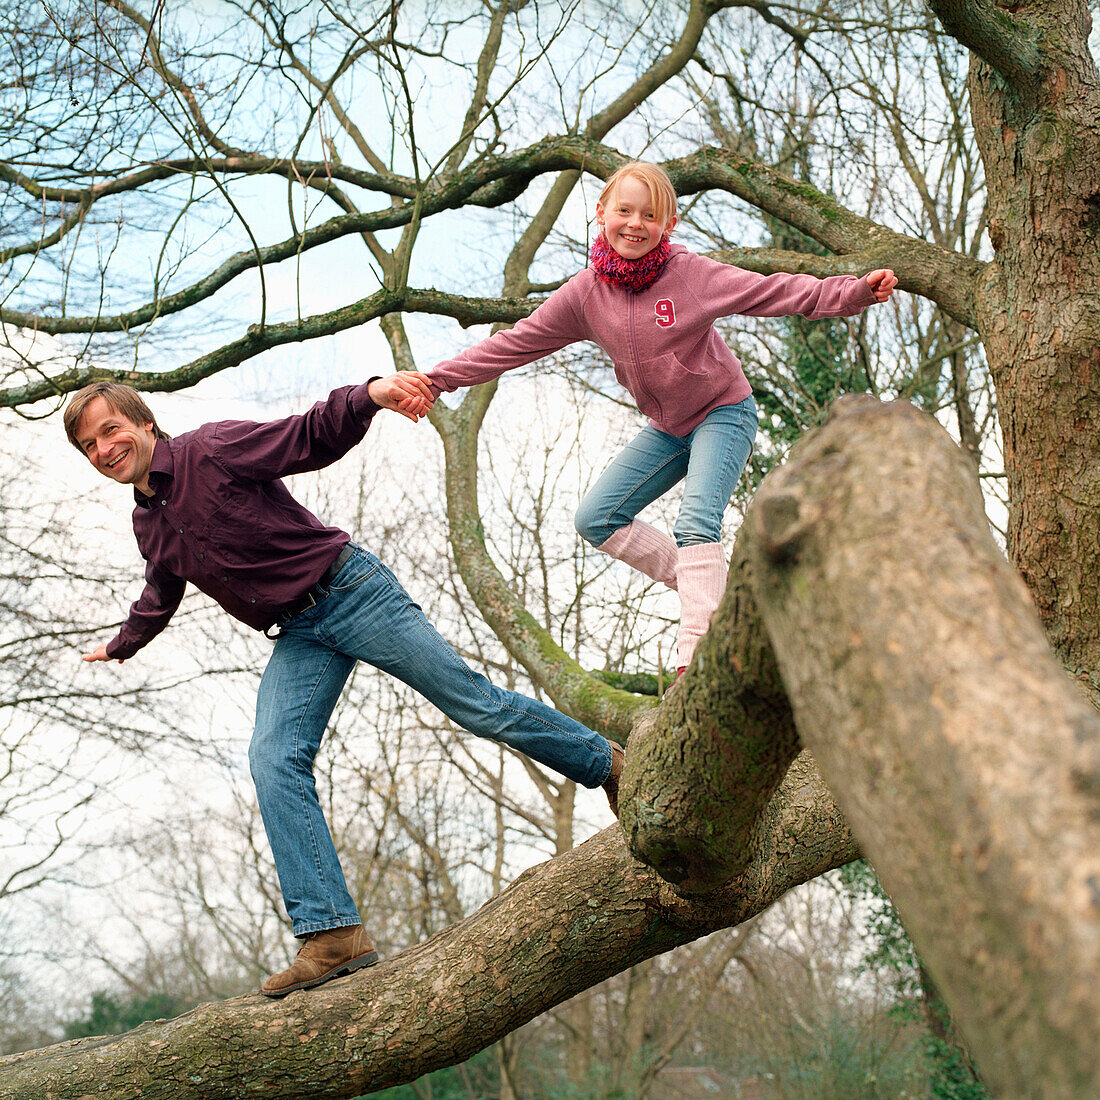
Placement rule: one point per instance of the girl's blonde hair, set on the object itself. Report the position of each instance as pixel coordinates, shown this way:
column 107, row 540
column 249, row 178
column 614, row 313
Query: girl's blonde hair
column 661, row 191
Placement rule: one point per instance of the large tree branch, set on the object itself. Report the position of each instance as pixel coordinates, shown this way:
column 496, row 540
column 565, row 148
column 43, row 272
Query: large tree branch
column 702, row 768
column 560, row 928
column 860, row 244
column 467, row 311
column 1009, row 41
column 966, row 760
column 248, row 164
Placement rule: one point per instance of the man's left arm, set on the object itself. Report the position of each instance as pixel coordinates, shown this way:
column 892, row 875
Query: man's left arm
column 317, row 438
column 148, row 616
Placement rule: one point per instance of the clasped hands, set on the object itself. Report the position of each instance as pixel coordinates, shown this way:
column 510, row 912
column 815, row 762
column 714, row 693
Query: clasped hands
column 406, row 392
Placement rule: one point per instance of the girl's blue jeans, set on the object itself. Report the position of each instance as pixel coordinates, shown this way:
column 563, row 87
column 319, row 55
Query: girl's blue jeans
column 709, row 460
column 365, row 615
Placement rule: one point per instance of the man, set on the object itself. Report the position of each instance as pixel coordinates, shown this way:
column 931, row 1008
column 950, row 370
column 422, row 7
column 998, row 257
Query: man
column 210, row 509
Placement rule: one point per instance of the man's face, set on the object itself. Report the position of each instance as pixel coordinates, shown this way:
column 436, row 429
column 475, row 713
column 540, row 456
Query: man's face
column 116, row 446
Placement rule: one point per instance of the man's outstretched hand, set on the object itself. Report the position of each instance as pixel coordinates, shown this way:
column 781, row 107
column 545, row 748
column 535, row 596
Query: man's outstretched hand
column 406, row 392
column 99, row 654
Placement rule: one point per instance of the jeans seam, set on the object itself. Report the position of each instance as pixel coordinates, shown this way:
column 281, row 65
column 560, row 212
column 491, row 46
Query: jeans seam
column 298, row 777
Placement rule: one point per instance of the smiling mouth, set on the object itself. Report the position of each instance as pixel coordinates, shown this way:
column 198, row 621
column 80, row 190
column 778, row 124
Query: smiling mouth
column 114, row 462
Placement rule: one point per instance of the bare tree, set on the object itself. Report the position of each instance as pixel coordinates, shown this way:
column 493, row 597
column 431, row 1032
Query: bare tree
column 907, row 682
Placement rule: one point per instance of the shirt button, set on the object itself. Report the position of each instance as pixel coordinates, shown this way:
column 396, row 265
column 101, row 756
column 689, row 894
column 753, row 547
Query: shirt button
column 253, row 600
column 181, row 530
column 202, row 555
column 225, row 579
column 164, row 502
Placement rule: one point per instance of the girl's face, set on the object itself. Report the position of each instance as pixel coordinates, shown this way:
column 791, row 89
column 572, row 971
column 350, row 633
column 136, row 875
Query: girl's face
column 629, row 223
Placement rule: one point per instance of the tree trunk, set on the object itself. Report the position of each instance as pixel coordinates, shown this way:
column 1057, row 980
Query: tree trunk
column 967, row 764
column 1038, row 310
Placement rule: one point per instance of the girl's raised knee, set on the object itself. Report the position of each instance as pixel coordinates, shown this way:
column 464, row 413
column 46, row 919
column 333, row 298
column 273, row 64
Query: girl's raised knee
column 588, row 527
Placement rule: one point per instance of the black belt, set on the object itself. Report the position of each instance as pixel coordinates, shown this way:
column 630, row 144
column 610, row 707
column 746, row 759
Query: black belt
column 317, row 592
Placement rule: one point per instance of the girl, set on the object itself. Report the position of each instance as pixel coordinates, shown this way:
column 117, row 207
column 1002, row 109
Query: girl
column 651, row 305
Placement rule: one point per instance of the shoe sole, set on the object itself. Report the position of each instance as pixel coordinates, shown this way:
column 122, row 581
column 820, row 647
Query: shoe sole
column 369, row 959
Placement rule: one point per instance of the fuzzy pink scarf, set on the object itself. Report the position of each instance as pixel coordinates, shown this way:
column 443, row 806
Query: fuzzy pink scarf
column 632, row 275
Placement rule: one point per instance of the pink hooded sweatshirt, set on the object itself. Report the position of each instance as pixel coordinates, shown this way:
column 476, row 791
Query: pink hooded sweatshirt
column 662, row 341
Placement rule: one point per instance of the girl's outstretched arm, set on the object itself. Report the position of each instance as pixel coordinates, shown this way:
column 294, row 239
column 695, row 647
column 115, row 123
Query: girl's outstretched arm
column 556, row 323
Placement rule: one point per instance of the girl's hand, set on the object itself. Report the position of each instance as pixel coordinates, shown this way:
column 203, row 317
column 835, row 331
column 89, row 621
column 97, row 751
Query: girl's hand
column 882, row 282
column 406, row 392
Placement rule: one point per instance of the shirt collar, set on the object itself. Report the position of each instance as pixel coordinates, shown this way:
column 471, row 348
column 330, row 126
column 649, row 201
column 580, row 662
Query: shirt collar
column 162, row 469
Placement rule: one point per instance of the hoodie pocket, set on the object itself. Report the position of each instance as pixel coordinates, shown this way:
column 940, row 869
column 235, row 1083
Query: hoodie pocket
column 676, row 387
column 667, row 370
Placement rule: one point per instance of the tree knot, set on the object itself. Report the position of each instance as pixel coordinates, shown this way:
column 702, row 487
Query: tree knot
column 784, row 520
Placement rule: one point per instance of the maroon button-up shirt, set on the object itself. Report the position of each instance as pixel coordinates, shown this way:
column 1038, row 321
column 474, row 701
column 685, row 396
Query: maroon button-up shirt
column 220, row 518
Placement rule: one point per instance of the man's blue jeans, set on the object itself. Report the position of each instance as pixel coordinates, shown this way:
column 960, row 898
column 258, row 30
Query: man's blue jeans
column 367, row 616
column 709, row 460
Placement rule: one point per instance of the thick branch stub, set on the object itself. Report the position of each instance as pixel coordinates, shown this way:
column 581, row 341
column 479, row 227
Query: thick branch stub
column 783, row 519
column 956, row 745
column 701, row 769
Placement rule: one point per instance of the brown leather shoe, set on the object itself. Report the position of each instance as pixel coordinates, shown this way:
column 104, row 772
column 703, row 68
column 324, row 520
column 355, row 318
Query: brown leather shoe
column 324, row 955
column 611, row 783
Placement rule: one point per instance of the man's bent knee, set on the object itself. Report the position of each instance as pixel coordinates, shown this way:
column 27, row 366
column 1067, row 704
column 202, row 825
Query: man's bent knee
column 268, row 760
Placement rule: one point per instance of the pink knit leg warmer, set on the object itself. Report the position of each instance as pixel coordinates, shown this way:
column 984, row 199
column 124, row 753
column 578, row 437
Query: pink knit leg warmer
column 644, row 548
column 701, row 572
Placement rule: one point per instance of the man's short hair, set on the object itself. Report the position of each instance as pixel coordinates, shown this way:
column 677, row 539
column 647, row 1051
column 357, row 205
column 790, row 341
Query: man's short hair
column 124, row 400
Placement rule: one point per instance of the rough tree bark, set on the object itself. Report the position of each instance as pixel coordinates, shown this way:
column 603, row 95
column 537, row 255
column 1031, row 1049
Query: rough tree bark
column 964, row 758
column 1035, row 101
